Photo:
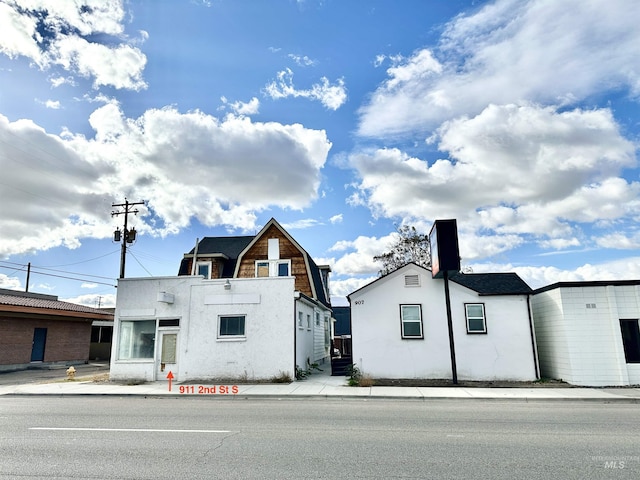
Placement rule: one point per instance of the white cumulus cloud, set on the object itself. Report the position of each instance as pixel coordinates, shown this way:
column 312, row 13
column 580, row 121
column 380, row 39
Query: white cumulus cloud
column 331, row 96
column 507, row 51
column 60, row 34
column 58, row 190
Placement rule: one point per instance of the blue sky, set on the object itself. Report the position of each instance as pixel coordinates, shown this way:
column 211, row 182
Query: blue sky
column 341, row 119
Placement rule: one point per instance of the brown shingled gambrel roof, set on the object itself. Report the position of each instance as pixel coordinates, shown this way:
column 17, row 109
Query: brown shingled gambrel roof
column 312, row 269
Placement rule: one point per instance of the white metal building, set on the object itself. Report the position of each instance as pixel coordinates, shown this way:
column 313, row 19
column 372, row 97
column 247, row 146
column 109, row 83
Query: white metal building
column 587, row 332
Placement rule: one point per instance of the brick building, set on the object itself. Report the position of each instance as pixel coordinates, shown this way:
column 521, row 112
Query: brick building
column 38, row 329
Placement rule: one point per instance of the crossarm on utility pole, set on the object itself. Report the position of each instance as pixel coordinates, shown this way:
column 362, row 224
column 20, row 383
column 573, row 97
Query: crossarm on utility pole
column 125, row 233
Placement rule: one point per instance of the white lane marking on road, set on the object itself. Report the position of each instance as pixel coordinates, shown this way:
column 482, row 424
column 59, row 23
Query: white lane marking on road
column 162, row 430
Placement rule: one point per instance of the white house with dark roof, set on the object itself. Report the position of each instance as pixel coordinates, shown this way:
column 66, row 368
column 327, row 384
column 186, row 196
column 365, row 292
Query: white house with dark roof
column 588, row 332
column 399, row 327
column 40, row 330
column 253, row 307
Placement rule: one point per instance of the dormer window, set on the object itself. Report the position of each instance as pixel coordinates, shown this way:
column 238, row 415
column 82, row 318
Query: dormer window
column 273, row 268
column 283, row 269
column 262, row 269
column 204, row 269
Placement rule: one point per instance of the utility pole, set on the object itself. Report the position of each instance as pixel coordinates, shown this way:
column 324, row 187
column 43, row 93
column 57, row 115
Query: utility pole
column 126, row 236
column 26, row 289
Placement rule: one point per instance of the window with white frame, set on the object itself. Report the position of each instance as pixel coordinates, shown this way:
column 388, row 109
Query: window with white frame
column 137, row 339
column 273, row 268
column 476, row 320
column 308, row 321
column 411, row 321
column 231, row 326
column 327, row 333
column 204, row 269
column 300, row 317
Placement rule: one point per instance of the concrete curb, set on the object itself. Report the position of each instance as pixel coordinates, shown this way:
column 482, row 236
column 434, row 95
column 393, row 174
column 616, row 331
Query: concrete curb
column 334, row 392
column 619, row 400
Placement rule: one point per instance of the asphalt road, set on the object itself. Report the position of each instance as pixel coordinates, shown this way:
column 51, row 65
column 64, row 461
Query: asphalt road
column 191, row 438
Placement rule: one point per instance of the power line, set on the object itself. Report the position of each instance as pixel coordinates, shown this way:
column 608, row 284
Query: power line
column 83, row 261
column 15, row 269
column 72, row 278
column 23, row 267
column 136, row 259
column 67, row 277
column 153, row 258
column 76, row 273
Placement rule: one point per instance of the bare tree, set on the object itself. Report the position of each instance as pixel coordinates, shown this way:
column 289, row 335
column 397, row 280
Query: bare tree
column 411, row 246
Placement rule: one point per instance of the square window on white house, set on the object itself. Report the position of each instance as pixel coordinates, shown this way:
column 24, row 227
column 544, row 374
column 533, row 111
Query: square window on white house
column 411, row 321
column 308, row 322
column 476, row 320
column 300, row 317
column 231, row 326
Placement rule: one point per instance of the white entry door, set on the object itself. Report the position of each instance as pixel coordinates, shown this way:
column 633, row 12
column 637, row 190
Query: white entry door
column 167, row 360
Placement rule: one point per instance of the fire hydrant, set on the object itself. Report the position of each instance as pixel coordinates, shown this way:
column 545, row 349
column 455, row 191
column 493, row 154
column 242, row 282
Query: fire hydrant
column 71, row 373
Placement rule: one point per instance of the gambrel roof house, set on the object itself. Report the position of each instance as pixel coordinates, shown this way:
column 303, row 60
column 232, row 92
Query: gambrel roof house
column 400, row 327
column 37, row 329
column 588, row 332
column 236, row 257
column 255, row 307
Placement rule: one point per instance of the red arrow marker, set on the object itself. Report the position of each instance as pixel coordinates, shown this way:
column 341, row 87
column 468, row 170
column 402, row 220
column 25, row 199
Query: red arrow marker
column 170, row 377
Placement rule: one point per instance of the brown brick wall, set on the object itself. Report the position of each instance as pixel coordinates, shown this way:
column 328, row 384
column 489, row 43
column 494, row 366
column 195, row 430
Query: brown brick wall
column 66, row 340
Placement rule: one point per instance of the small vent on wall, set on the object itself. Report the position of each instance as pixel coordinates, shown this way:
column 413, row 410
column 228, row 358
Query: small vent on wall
column 591, row 305
column 411, row 281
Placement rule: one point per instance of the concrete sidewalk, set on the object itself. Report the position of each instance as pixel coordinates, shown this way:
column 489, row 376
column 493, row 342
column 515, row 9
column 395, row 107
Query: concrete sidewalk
column 318, row 385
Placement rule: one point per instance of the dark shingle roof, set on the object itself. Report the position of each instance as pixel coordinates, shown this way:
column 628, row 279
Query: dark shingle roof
column 227, row 246
column 317, row 281
column 492, row 283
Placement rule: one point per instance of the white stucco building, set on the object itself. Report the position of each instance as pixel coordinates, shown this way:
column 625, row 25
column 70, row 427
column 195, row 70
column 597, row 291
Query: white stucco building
column 241, row 308
column 587, row 332
column 400, row 327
